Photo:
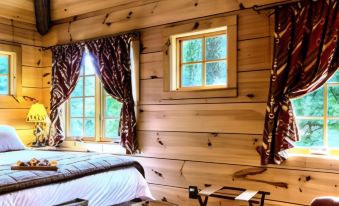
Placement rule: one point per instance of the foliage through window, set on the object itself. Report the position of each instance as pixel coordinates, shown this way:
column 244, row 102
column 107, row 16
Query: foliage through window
column 92, row 114
column 202, row 61
column 317, row 116
column 4, row 74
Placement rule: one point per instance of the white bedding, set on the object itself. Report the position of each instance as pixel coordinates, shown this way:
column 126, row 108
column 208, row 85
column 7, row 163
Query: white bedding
column 101, row 189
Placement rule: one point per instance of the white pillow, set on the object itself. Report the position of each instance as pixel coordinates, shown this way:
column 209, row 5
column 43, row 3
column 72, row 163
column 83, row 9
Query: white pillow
column 9, row 140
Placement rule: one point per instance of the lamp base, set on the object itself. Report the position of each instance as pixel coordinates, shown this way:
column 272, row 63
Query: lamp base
column 38, row 144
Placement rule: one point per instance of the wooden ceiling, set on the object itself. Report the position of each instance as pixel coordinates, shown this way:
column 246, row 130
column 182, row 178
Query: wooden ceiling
column 23, row 10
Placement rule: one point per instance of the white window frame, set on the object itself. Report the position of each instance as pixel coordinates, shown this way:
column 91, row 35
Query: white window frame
column 325, row 149
column 14, row 53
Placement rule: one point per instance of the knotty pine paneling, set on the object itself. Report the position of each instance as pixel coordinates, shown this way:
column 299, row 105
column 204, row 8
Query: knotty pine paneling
column 15, row 118
column 252, row 87
column 46, row 77
column 31, row 56
column 245, row 118
column 174, row 145
column 13, row 32
column 288, row 185
column 31, row 77
column 203, row 140
column 19, row 35
column 18, row 10
column 149, row 15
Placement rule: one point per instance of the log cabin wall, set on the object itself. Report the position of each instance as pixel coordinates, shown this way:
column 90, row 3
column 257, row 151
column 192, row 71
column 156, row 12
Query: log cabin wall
column 202, row 140
column 17, row 27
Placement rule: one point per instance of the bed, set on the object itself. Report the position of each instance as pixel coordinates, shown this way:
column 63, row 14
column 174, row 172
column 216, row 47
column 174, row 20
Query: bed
column 102, row 179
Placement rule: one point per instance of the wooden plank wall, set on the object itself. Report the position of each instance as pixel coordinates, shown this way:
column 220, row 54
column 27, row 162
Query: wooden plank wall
column 205, row 140
column 12, row 112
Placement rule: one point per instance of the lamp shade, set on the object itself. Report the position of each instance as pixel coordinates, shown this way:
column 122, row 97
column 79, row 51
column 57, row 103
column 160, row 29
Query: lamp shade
column 37, row 113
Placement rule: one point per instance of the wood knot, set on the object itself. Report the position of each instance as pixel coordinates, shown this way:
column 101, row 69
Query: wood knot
column 164, row 199
column 65, row 9
column 214, row 134
column 153, row 77
column 241, row 6
column 157, row 173
column 209, row 143
column 250, row 95
column 129, row 15
column 160, row 142
column 196, row 4
column 196, row 25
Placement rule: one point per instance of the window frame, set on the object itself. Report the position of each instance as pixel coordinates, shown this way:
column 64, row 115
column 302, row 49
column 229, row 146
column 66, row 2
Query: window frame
column 325, row 148
column 14, row 70
column 100, row 99
column 179, row 47
column 189, row 28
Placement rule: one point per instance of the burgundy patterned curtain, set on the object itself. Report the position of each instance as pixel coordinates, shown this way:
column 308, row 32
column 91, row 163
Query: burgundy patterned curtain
column 66, row 62
column 112, row 55
column 306, row 54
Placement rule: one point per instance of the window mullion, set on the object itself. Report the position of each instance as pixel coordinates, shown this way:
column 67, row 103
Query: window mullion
column 98, row 110
column 203, row 62
column 325, row 117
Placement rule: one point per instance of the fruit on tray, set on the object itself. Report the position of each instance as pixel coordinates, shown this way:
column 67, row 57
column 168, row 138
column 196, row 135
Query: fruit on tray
column 35, row 162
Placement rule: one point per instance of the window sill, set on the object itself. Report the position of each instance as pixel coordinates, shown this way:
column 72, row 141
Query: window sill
column 102, row 147
column 313, row 161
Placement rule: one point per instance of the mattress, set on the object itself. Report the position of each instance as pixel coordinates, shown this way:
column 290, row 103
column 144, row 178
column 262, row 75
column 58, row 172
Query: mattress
column 104, row 188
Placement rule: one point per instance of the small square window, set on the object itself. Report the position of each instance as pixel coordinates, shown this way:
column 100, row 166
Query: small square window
column 202, row 62
column 10, row 70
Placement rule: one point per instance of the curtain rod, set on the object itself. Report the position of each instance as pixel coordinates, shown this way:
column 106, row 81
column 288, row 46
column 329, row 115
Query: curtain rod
column 273, row 5
column 136, row 32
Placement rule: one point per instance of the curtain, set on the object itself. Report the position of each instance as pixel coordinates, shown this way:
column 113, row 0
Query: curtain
column 306, row 54
column 66, row 62
column 112, row 57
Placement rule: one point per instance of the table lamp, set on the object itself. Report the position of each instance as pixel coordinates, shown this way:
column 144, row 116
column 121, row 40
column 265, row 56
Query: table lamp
column 38, row 115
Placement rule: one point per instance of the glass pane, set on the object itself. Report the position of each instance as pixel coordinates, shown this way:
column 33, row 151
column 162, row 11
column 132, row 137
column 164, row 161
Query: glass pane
column 216, row 47
column 216, row 73
column 76, row 107
column 333, row 133
column 78, row 90
column 333, row 101
column 111, row 128
column 4, row 85
column 88, row 65
column 113, row 107
column 191, row 75
column 89, row 127
column 90, row 86
column 89, row 107
column 4, row 64
column 310, row 132
column 335, row 77
column 310, row 105
column 76, row 127
column 192, row 50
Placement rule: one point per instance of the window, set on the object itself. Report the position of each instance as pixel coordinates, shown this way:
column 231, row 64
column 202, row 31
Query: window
column 10, row 70
column 201, row 59
column 91, row 113
column 4, row 73
column 317, row 117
